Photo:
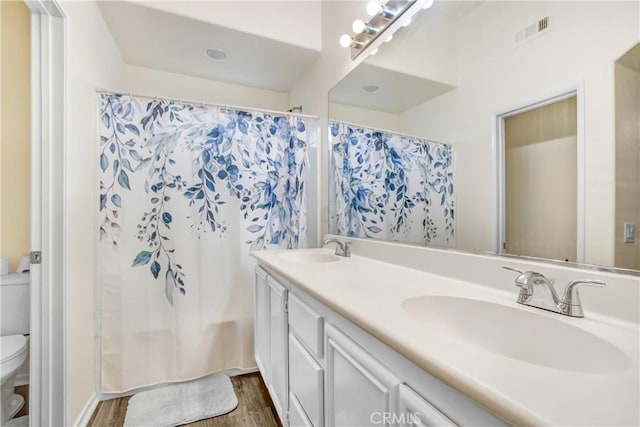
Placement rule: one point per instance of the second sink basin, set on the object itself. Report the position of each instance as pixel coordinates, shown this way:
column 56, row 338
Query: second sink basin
column 309, row 257
column 517, row 334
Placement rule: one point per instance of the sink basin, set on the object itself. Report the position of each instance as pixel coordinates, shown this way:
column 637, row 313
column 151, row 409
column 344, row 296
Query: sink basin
column 517, row 334
column 309, row 257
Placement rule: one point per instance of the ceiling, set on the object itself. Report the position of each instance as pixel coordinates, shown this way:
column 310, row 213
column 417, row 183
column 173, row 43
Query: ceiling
column 631, row 59
column 398, row 92
column 155, row 39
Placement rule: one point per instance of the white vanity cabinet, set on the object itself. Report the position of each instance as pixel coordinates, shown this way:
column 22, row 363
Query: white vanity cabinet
column 414, row 410
column 270, row 340
column 306, row 365
column 360, row 390
column 323, row 370
column 261, row 323
column 278, row 346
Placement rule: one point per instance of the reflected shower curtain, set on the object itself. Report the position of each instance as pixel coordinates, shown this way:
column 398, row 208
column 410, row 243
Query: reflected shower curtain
column 186, row 191
column 390, row 186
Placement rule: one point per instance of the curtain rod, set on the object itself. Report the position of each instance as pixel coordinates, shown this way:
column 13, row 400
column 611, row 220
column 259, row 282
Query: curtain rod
column 210, row 104
column 388, row 131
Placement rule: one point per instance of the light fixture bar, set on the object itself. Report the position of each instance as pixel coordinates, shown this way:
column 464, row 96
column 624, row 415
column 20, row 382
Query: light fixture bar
column 383, row 15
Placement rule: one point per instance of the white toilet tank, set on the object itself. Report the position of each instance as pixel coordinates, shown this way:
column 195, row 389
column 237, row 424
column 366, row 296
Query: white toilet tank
column 14, row 304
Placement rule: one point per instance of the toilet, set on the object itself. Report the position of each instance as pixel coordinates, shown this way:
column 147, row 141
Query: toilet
column 14, row 325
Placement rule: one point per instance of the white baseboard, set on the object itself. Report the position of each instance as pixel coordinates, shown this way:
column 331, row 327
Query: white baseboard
column 87, row 412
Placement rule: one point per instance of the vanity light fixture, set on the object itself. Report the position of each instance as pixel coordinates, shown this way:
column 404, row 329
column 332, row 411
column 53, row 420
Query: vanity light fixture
column 359, row 26
column 374, row 7
column 385, row 16
column 347, row 41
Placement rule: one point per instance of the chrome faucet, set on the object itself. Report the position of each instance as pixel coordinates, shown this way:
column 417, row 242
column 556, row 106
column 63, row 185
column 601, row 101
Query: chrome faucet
column 569, row 304
column 342, row 248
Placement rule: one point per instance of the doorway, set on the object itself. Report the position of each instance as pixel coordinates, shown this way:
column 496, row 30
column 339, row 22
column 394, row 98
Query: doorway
column 15, row 189
column 540, row 147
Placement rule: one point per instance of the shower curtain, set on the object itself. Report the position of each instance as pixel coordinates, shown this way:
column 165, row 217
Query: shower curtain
column 390, row 186
column 186, row 191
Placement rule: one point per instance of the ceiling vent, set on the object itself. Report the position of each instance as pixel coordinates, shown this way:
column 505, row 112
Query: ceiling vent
column 532, row 31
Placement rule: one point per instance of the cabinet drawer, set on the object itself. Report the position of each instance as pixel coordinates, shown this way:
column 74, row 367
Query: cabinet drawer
column 297, row 417
column 307, row 324
column 416, row 411
column 306, row 381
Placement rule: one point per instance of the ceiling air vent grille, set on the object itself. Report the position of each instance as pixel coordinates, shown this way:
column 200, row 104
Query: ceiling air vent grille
column 532, row 31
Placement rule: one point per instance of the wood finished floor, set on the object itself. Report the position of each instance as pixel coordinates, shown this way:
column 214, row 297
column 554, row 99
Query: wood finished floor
column 255, row 408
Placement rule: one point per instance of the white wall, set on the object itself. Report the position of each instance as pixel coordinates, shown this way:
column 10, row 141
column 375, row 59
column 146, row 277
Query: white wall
column 427, row 49
column 152, row 82
column 295, row 22
column 585, row 40
column 362, row 116
column 312, row 89
column 92, row 62
column 15, row 137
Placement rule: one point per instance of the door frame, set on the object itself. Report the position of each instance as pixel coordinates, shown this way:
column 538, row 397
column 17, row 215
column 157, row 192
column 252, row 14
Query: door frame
column 47, row 373
column 576, row 90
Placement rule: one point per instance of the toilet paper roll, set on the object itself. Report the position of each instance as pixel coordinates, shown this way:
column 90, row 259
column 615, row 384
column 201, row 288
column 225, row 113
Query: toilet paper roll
column 24, row 264
column 4, row 265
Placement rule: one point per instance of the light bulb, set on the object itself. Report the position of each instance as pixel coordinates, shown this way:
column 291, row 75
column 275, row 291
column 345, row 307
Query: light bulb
column 345, row 40
column 428, row 4
column 374, row 51
column 389, row 38
column 373, row 8
column 358, row 26
column 407, row 23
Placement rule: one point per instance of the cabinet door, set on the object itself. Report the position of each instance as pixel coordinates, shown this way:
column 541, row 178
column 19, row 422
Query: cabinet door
column 359, row 390
column 278, row 346
column 297, row 416
column 305, row 381
column 261, row 324
column 416, row 411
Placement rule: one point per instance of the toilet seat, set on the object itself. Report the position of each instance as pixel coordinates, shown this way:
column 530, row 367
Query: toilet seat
column 12, row 346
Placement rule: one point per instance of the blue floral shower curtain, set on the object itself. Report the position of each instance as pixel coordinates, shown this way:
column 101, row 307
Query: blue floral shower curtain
column 390, row 186
column 186, row 191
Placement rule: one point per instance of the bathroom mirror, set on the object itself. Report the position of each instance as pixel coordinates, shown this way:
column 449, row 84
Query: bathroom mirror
column 504, row 127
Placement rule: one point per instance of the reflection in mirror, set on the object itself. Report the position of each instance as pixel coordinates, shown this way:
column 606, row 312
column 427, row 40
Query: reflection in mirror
column 536, row 107
column 390, row 186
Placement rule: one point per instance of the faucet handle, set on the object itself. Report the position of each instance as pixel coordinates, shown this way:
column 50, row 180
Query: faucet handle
column 347, row 249
column 526, row 288
column 570, row 303
column 512, row 269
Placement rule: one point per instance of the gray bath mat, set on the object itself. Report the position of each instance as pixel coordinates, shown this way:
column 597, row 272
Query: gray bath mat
column 182, row 403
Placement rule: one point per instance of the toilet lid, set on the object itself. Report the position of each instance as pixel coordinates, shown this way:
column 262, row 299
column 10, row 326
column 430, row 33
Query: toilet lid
column 11, row 346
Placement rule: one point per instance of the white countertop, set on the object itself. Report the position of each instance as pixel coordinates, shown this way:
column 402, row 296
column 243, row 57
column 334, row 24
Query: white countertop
column 370, row 293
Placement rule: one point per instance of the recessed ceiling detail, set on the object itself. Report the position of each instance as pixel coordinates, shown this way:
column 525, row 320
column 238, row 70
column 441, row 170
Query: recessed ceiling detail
column 164, row 41
column 401, row 92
